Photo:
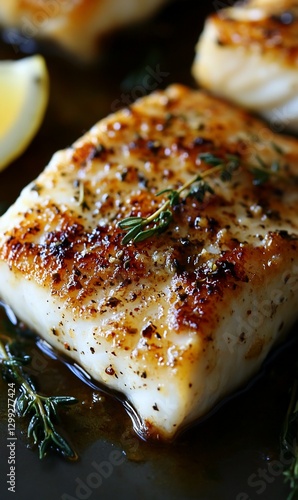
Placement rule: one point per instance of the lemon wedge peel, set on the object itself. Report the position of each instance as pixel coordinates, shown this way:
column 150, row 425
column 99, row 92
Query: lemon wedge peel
column 24, row 95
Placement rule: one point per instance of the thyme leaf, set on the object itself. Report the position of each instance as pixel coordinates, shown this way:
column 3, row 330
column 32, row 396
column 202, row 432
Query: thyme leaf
column 140, row 228
column 277, row 148
column 41, row 410
column 199, row 190
column 262, row 172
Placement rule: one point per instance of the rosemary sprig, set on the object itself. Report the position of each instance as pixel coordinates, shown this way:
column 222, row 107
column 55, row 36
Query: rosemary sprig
column 42, row 410
column 159, row 221
column 289, row 444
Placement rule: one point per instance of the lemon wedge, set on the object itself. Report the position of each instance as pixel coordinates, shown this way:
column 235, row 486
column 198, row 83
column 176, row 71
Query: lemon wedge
column 24, row 93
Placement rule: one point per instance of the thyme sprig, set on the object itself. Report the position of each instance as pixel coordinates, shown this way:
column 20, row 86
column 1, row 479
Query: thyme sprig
column 41, row 410
column 140, row 228
column 262, row 172
column 289, row 444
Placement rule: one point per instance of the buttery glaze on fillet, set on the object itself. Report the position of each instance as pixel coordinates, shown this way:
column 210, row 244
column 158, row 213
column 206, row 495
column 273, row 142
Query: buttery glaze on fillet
column 77, row 25
column 182, row 319
column 249, row 54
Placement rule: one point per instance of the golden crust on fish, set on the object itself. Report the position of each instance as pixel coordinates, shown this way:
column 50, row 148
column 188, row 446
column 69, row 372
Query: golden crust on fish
column 77, row 25
column 249, row 54
column 178, row 321
column 270, row 26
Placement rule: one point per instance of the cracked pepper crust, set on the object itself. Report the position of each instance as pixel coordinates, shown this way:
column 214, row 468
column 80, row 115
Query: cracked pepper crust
column 166, row 321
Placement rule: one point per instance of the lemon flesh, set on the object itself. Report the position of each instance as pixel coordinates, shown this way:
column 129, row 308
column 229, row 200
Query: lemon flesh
column 24, row 93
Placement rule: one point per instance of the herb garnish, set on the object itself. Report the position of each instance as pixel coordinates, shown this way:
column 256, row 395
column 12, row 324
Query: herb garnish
column 262, row 173
column 197, row 187
column 159, row 221
column 289, row 444
column 41, row 410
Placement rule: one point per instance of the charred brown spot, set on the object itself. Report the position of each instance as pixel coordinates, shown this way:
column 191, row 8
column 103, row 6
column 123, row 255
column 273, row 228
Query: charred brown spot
column 56, row 278
column 113, row 302
column 148, row 331
column 110, row 370
column 203, row 141
column 130, row 330
column 285, row 235
column 286, row 18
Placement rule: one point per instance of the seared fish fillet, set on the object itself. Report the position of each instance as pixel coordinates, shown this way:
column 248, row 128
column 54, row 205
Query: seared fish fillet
column 177, row 321
column 249, row 54
column 78, row 25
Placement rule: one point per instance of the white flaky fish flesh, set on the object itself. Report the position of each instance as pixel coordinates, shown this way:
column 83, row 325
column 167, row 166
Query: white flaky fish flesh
column 180, row 320
column 77, row 25
column 249, row 54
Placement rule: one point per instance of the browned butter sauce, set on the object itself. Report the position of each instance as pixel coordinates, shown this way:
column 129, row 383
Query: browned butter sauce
column 247, row 426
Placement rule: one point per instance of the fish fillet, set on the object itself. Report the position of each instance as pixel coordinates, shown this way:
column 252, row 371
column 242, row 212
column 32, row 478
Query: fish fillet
column 249, row 54
column 77, row 25
column 180, row 320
